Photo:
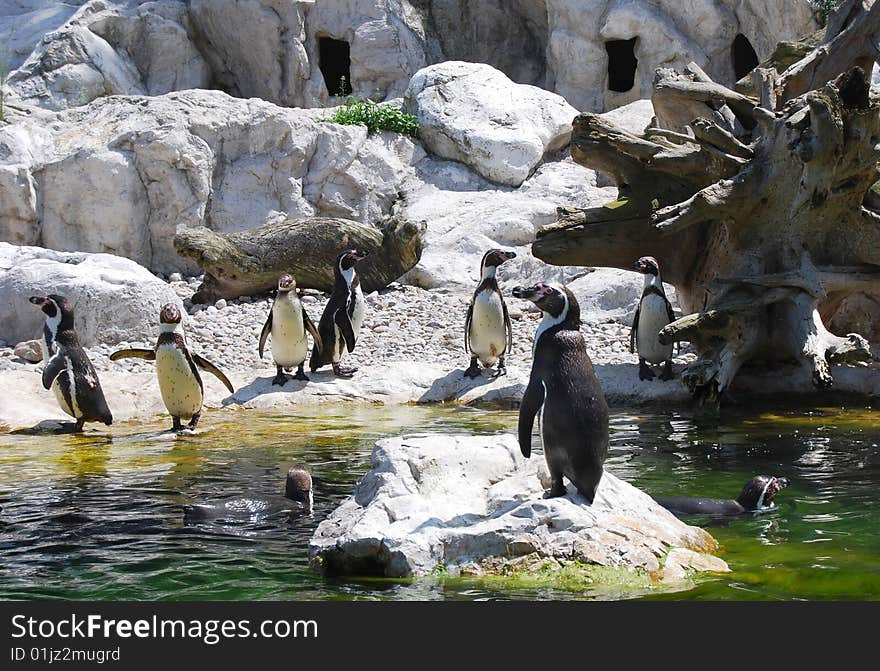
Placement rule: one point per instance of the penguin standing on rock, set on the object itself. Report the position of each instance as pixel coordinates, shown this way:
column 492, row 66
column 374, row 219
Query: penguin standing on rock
column 652, row 314
column 341, row 321
column 69, row 372
column 288, row 323
column 177, row 369
column 487, row 333
column 564, row 388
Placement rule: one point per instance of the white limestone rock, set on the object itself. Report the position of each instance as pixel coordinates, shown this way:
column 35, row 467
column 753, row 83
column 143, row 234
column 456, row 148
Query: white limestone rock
column 471, row 112
column 468, row 215
column 122, row 174
column 114, row 298
column 454, row 501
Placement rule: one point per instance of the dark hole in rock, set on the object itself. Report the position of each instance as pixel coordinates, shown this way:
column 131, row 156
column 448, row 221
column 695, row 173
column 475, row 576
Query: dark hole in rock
column 622, row 63
column 744, row 57
column 334, row 59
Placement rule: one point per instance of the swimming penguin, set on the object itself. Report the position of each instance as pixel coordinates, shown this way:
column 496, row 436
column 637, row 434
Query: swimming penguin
column 566, row 391
column 297, row 499
column 653, row 313
column 487, row 333
column 68, row 371
column 757, row 496
column 340, row 324
column 176, row 367
column 288, row 323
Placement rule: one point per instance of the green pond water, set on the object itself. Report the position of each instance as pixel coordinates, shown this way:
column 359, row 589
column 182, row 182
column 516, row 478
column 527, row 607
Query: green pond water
column 100, row 516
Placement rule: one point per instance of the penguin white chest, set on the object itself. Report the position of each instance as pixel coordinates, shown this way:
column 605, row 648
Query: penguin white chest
column 652, row 318
column 290, row 345
column 181, row 392
column 487, row 334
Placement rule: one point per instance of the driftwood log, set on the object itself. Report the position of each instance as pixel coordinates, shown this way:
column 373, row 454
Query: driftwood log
column 759, row 209
column 249, row 262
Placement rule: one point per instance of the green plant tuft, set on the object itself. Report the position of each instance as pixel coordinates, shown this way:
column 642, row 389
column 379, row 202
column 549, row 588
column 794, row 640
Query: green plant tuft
column 822, row 9
column 376, row 117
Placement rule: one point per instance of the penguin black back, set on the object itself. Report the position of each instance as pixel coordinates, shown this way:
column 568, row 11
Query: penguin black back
column 564, row 388
column 68, row 365
column 757, row 496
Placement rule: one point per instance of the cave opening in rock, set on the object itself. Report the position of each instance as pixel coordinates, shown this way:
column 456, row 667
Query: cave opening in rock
column 622, row 63
column 334, row 59
column 744, row 57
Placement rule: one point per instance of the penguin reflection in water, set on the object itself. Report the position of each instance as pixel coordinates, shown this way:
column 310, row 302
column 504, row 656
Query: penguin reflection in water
column 341, row 321
column 652, row 314
column 297, row 500
column 177, row 369
column 487, row 333
column 68, row 371
column 564, row 388
column 288, row 322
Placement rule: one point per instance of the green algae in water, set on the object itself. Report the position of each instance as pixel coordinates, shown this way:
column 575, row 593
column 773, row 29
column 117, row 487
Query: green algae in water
column 99, row 516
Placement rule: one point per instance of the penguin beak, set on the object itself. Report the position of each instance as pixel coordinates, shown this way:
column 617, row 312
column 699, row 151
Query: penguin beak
column 527, row 293
column 360, row 256
column 39, row 301
column 508, row 255
column 782, row 483
column 638, row 265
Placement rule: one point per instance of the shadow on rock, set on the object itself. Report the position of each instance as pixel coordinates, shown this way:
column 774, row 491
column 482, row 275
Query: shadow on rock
column 454, row 385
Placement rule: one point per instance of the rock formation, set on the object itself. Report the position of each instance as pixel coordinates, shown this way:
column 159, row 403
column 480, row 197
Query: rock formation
column 114, row 299
column 473, row 503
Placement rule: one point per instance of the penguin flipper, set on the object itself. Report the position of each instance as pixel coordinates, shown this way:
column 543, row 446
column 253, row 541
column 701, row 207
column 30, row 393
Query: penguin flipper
column 53, row 369
column 316, row 337
column 216, row 372
column 467, row 327
column 531, row 403
column 342, row 320
column 134, row 353
column 267, row 329
column 507, row 328
column 634, row 329
column 669, row 311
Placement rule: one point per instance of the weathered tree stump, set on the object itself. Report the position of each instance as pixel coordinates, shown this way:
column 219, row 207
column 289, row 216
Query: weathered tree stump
column 249, row 262
column 760, row 211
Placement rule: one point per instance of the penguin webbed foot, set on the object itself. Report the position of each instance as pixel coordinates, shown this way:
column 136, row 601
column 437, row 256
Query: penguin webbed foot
column 556, row 490
column 667, row 373
column 194, row 422
column 645, row 372
column 339, row 371
column 279, row 379
column 501, row 370
column 473, row 371
column 300, row 374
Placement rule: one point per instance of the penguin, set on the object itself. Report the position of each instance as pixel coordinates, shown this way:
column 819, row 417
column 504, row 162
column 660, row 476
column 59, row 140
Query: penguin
column 68, row 371
column 756, row 497
column 297, row 500
column 487, row 333
column 340, row 323
column 288, row 322
column 564, row 388
column 652, row 314
column 177, row 369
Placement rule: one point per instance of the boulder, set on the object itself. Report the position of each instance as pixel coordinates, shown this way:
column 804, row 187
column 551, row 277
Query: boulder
column 114, row 298
column 471, row 112
column 452, row 502
column 468, row 215
column 29, row 350
column 122, row 174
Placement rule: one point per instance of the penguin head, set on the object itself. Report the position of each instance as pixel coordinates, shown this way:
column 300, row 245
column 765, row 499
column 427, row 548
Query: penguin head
column 647, row 265
column 758, row 492
column 495, row 257
column 347, row 259
column 169, row 314
column 554, row 300
column 299, row 485
column 55, row 307
column 286, row 283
